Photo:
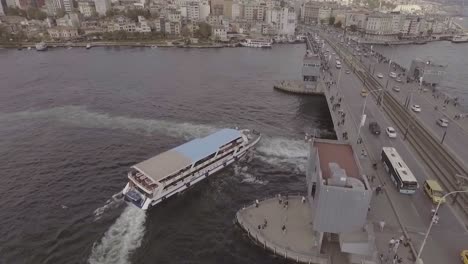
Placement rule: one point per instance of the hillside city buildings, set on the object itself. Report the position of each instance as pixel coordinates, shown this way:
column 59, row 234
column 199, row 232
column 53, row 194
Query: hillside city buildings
column 228, row 19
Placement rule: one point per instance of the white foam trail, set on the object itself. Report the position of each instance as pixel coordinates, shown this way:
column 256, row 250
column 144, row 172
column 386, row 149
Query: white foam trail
column 81, row 117
column 115, row 201
column 247, row 177
column 121, row 239
column 283, row 152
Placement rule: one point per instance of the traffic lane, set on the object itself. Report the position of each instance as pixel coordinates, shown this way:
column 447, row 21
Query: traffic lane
column 349, row 88
column 455, row 135
column 408, row 206
column 440, row 245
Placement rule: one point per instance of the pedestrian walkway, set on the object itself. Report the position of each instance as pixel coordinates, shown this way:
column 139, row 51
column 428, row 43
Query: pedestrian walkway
column 283, row 226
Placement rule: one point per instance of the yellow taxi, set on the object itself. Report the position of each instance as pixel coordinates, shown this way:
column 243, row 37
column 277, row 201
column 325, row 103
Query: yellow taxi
column 434, row 191
column 464, row 256
column 364, row 92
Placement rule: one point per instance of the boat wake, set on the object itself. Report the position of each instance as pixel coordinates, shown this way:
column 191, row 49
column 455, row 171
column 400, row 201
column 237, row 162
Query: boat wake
column 273, row 150
column 121, row 239
column 114, row 202
column 246, row 176
column 283, row 152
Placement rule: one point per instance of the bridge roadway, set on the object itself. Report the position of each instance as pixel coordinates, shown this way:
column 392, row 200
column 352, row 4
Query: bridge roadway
column 440, row 159
column 447, row 238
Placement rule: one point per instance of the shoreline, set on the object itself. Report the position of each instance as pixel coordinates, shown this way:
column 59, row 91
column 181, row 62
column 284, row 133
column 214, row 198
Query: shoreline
column 24, row 45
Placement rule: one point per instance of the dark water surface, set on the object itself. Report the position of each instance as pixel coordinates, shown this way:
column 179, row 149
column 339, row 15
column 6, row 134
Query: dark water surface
column 73, row 121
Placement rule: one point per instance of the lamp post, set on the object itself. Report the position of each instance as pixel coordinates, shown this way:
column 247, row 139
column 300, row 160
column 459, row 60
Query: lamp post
column 363, row 116
column 443, row 136
column 418, row 258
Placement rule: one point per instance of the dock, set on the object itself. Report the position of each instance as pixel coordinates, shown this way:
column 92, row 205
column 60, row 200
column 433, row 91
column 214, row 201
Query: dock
column 297, row 87
column 297, row 242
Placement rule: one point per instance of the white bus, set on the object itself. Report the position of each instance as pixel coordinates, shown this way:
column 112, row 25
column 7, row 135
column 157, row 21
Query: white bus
column 338, row 64
column 399, row 172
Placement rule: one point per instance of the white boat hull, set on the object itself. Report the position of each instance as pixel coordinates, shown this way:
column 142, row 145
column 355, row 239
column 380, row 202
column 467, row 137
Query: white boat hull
column 192, row 179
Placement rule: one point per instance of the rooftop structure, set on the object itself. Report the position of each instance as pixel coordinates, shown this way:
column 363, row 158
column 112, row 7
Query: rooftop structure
column 340, row 195
column 178, row 158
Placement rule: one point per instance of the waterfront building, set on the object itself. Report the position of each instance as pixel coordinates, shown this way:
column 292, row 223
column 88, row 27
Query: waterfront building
column 63, row 33
column 172, row 28
column 339, row 195
column 282, row 20
column 10, row 3
column 379, row 26
column 408, row 9
column 69, row 20
column 156, row 24
column 122, row 23
column 356, row 19
column 87, row 8
column 219, row 32
column 2, row 8
column 102, row 6
column 143, row 25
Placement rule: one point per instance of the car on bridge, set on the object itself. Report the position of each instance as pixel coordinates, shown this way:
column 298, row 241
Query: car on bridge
column 348, row 71
column 396, row 88
column 379, row 75
column 398, row 80
column 392, row 75
column 416, row 108
column 443, row 122
column 364, row 93
column 391, row 132
column 434, row 191
column 374, row 128
column 464, row 256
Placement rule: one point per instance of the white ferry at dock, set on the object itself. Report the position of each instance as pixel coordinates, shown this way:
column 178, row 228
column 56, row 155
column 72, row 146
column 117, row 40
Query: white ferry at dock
column 256, row 43
column 171, row 172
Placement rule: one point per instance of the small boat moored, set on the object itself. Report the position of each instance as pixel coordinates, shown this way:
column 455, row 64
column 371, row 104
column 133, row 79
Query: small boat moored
column 169, row 173
column 460, row 39
column 256, row 43
column 41, row 46
column 88, row 46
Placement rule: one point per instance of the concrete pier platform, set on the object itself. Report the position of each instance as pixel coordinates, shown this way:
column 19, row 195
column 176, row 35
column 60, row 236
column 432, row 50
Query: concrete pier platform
column 297, row 242
column 297, row 87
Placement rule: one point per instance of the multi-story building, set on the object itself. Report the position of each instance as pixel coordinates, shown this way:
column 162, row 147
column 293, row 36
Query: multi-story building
column 53, row 6
column 193, row 11
column 379, row 25
column 2, row 8
column 204, row 10
column 254, row 11
column 324, row 14
column 172, row 28
column 356, row 19
column 67, row 5
column 156, row 24
column 219, row 32
column 310, row 12
column 143, row 25
column 87, row 8
column 236, row 11
column 102, row 6
column 282, row 19
column 227, row 8
column 217, row 7
column 122, row 23
column 63, row 32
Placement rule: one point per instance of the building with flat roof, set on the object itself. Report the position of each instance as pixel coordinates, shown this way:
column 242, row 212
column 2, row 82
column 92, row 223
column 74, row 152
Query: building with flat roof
column 339, row 196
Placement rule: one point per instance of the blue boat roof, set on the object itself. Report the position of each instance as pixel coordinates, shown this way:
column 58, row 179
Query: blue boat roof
column 198, row 149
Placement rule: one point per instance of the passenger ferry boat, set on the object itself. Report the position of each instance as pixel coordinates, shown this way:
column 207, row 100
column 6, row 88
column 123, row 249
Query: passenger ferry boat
column 256, row 43
column 460, row 39
column 171, row 172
